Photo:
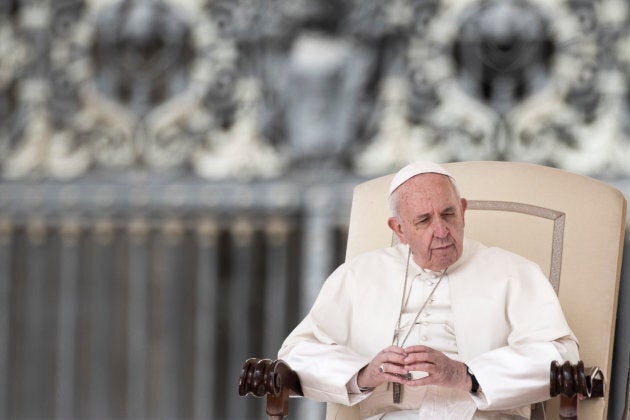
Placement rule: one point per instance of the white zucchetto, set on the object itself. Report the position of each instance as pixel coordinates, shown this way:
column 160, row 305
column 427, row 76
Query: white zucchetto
column 416, row 168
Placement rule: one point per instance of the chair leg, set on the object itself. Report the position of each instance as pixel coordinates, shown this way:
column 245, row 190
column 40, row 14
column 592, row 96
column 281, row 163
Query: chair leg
column 278, row 406
column 568, row 407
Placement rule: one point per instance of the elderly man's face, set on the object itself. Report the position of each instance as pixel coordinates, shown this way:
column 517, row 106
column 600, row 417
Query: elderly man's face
column 431, row 220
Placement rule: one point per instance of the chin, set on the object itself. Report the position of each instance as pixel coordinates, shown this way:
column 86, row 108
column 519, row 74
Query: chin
column 444, row 263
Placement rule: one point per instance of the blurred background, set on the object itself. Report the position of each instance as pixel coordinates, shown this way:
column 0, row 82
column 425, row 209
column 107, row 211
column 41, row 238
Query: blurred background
column 176, row 176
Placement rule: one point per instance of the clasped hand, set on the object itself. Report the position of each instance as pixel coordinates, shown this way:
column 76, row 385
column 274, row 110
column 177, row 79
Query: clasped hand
column 394, row 363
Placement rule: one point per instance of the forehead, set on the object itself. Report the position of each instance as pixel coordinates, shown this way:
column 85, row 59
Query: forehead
column 428, row 188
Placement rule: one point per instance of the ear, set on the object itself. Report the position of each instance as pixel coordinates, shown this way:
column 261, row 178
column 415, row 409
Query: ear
column 394, row 225
column 464, row 204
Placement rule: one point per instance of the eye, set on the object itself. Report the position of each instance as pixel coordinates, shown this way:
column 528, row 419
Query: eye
column 422, row 221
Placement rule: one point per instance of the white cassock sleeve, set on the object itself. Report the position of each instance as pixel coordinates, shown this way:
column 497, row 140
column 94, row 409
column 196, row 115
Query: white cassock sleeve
column 325, row 370
column 518, row 374
column 526, row 365
column 313, row 350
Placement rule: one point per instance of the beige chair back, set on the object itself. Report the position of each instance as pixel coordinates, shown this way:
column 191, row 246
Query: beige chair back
column 571, row 225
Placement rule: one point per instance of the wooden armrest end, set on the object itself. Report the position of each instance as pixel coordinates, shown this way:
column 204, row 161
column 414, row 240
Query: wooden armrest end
column 275, row 379
column 570, row 380
column 262, row 377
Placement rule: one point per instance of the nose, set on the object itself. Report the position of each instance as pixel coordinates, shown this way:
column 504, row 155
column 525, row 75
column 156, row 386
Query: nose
column 439, row 228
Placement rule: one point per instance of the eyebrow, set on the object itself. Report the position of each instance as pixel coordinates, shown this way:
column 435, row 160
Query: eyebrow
column 423, row 216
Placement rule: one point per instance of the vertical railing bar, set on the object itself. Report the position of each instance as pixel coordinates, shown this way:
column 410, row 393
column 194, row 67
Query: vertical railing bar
column 67, row 319
column 206, row 328
column 137, row 312
column 317, row 245
column 168, row 387
column 99, row 394
column 6, row 229
column 35, row 378
column 240, row 300
column 276, row 288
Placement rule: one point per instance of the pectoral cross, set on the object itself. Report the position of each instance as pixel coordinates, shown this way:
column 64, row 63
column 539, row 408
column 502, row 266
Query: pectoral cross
column 397, row 392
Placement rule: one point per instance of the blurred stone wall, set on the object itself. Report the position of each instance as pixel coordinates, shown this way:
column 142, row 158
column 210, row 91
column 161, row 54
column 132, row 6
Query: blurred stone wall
column 166, row 165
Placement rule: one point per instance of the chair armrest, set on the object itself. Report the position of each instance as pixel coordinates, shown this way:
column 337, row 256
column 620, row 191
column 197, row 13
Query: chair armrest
column 275, row 379
column 572, row 384
column 571, row 380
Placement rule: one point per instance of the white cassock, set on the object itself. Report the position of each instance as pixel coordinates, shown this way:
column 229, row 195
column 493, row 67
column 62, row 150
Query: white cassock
column 494, row 311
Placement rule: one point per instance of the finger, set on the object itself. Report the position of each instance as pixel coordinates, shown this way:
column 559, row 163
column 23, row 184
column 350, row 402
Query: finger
column 392, row 369
column 395, row 350
column 430, row 368
column 419, row 349
column 427, row 380
column 391, row 357
column 423, row 357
